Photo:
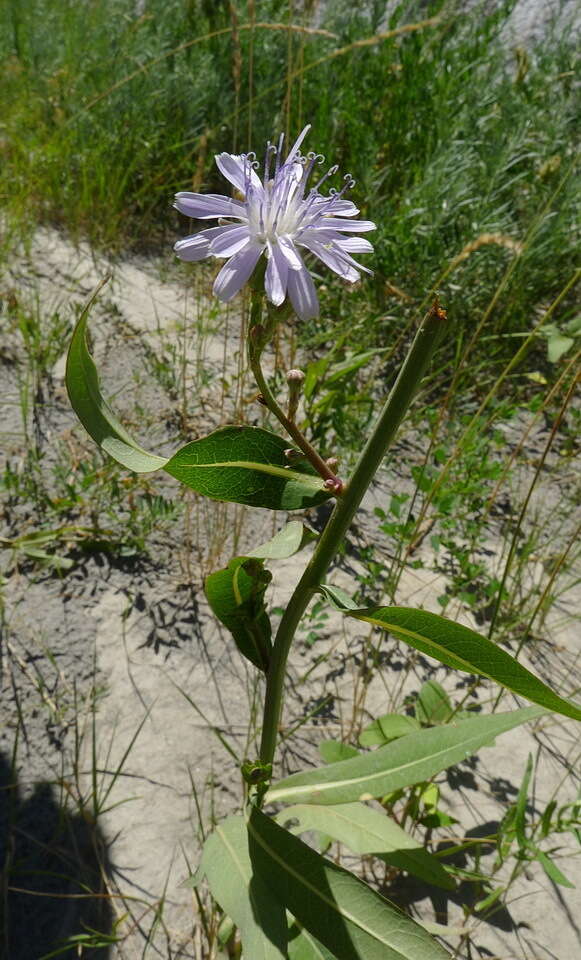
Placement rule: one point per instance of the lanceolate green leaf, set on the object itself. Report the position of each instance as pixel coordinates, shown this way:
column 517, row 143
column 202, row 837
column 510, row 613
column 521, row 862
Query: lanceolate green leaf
column 288, row 541
column 459, row 647
column 82, row 382
column 405, row 761
column 351, row 920
column 249, row 901
column 388, row 727
column 367, row 831
column 236, row 597
column 247, row 465
column 303, row 946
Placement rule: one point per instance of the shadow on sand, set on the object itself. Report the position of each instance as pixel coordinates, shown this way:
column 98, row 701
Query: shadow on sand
column 53, row 867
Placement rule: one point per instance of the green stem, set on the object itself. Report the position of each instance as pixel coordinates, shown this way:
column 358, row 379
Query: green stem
column 255, row 347
column 398, row 401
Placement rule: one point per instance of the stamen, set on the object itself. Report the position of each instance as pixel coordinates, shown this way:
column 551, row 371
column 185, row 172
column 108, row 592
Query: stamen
column 278, row 154
column 269, row 153
column 330, row 172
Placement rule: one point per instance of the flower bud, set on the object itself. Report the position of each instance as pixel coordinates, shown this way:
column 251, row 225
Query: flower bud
column 295, row 380
column 295, row 376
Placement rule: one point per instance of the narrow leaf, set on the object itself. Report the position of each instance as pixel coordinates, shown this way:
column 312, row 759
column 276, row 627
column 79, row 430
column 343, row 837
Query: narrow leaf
column 405, row 761
column 288, row 541
column 552, row 870
column 236, row 597
column 247, row 465
column 521, row 805
column 249, row 901
column 464, row 649
column 338, row 597
column 367, row 831
column 82, row 382
column 348, row 917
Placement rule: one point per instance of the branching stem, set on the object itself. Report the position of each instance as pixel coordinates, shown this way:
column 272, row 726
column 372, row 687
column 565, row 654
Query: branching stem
column 255, row 347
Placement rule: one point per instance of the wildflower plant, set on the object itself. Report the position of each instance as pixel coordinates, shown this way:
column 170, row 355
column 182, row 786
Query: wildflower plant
column 286, row 899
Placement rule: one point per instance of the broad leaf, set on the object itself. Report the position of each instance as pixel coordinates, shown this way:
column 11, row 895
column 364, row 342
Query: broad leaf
column 249, row 901
column 367, row 831
column 557, row 345
column 333, row 750
column 348, row 917
column 405, row 761
column 433, row 704
column 459, row 647
column 247, row 465
column 388, row 727
column 82, row 382
column 288, row 541
column 236, row 597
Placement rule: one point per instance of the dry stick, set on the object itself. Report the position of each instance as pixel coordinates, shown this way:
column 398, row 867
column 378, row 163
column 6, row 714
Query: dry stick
column 574, row 541
column 449, row 393
column 252, row 18
column 520, row 520
column 514, row 454
column 525, row 505
column 493, row 390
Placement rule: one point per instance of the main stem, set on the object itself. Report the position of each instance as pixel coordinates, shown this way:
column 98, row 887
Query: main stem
column 398, row 401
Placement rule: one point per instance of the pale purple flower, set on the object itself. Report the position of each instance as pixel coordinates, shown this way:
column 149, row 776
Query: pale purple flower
column 276, row 216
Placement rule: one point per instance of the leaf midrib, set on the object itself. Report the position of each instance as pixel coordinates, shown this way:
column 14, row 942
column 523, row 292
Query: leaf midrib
column 301, row 880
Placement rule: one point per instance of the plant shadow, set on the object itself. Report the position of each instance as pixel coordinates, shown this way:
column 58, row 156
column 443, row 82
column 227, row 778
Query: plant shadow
column 54, row 867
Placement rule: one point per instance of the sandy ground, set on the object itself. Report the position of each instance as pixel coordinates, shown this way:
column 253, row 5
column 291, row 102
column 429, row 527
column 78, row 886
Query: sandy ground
column 136, row 634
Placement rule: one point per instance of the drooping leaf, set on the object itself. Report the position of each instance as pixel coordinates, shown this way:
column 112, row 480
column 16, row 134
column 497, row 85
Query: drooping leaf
column 244, row 896
column 247, row 465
column 367, row 831
column 303, row 946
column 401, row 763
column 82, row 383
column 552, row 870
column 348, row 917
column 433, row 704
column 351, row 364
column 333, row 750
column 288, row 541
column 338, row 597
column 236, row 597
column 464, row 649
column 390, row 726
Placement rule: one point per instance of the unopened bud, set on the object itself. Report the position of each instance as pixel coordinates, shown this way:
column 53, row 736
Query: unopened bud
column 335, row 485
column 295, row 376
column 293, row 455
column 295, row 380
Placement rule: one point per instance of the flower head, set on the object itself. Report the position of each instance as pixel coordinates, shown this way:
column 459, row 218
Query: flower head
column 276, row 216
